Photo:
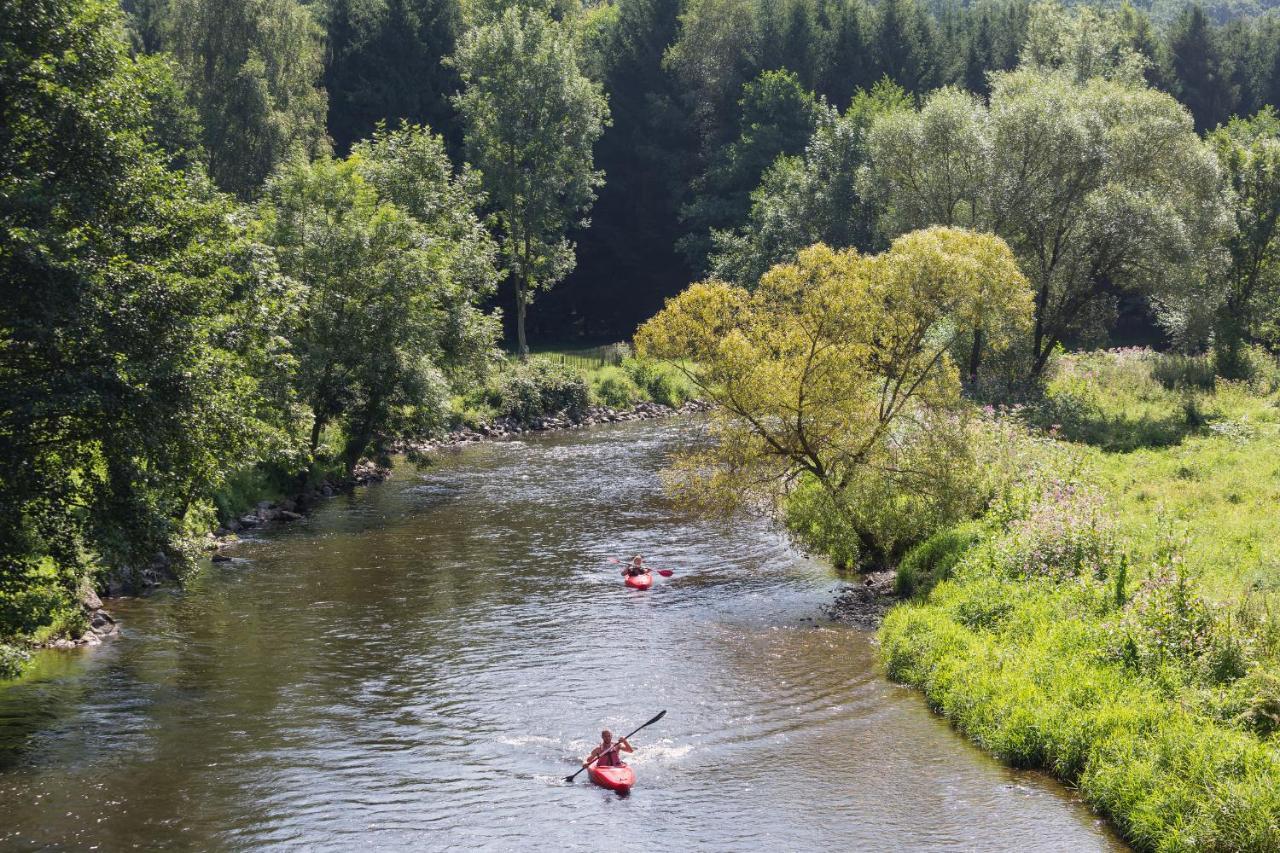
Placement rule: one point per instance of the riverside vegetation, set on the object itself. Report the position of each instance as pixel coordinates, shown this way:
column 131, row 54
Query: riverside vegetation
column 1113, row 615
column 253, row 245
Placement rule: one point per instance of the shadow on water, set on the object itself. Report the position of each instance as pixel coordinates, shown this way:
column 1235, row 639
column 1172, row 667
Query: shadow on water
column 420, row 665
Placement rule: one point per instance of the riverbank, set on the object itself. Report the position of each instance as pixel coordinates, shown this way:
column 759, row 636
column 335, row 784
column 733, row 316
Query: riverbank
column 100, row 624
column 1115, row 619
column 419, row 664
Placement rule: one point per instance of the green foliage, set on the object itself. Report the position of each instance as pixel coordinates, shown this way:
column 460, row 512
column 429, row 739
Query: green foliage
column 777, row 117
column 395, row 265
column 538, row 388
column 384, row 65
column 816, row 523
column 1036, row 147
column 1203, row 80
column 142, row 325
column 1249, row 153
column 662, row 383
column 809, row 199
column 251, row 71
column 615, row 387
column 532, row 119
column 932, row 561
column 1108, row 634
column 836, row 368
column 1123, row 400
column 12, row 659
column 1254, row 702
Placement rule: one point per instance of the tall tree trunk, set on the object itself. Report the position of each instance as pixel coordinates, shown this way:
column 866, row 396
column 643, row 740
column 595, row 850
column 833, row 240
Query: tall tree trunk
column 1040, row 348
column 317, row 425
column 522, row 304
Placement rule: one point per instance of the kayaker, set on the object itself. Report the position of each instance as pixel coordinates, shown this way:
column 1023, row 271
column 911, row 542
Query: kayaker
column 606, row 754
column 635, row 568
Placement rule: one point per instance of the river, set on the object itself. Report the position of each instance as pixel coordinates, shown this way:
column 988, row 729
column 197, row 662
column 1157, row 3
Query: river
column 417, row 666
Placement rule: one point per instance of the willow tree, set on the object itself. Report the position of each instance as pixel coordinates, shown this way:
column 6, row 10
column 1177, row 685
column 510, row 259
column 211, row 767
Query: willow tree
column 531, row 119
column 1096, row 186
column 836, row 370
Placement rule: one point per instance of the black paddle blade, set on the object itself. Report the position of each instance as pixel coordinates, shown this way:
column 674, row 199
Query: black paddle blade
column 659, row 716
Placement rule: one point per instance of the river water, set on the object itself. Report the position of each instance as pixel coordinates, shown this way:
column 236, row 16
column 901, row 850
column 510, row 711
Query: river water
column 417, row 666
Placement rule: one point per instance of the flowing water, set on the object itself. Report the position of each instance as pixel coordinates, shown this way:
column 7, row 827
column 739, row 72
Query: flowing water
column 417, row 666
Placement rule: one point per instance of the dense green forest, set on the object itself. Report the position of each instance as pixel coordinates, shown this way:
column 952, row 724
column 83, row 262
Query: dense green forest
column 254, row 242
column 250, row 244
column 696, row 116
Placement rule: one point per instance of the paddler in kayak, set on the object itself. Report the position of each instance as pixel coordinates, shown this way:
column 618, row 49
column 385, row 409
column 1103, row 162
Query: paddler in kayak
column 606, row 754
column 635, row 568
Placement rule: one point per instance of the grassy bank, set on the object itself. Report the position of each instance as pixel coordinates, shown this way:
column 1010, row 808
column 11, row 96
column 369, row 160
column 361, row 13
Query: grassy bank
column 1114, row 617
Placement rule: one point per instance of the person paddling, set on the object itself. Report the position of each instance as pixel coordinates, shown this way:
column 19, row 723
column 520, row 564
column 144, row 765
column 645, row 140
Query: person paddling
column 606, row 754
column 635, row 568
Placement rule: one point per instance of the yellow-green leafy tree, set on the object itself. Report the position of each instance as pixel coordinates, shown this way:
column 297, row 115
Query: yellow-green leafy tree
column 834, row 379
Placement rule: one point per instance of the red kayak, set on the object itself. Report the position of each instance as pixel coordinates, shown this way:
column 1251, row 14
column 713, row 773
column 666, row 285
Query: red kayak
column 639, row 581
column 619, row 778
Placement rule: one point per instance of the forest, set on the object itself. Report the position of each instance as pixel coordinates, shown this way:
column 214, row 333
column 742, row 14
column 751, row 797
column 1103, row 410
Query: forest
column 984, row 295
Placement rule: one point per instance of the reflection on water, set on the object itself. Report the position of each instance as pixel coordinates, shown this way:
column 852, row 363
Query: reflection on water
column 418, row 665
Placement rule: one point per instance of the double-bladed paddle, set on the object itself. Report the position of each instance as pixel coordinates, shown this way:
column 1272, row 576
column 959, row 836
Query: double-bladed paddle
column 666, row 573
column 616, row 743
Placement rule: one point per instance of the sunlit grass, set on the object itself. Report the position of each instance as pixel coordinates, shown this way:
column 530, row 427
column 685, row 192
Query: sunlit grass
column 1151, row 680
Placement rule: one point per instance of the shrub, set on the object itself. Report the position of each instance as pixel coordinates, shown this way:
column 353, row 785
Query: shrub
column 538, row 388
column 643, row 371
column 933, row 560
column 1176, row 371
column 1065, row 534
column 816, row 524
column 663, row 383
column 12, row 659
column 1253, row 702
column 615, row 388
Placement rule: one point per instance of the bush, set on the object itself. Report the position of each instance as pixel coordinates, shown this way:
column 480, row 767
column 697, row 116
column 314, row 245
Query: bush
column 816, row 524
column 1065, row 534
column 12, row 659
column 663, row 383
column 1253, row 702
column 539, row 388
column 615, row 388
column 933, row 560
column 1177, row 372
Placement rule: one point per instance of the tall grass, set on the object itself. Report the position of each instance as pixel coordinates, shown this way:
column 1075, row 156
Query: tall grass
column 1116, row 624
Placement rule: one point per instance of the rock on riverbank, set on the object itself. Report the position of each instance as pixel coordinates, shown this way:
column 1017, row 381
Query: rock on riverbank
column 591, row 416
column 865, row 603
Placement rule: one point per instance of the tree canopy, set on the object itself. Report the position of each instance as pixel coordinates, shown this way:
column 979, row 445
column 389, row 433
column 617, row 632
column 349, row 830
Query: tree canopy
column 251, row 71
column 394, row 265
column 837, row 367
column 531, row 119
column 1095, row 185
column 139, row 318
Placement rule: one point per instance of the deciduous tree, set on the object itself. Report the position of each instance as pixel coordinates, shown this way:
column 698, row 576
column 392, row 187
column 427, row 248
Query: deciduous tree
column 251, row 69
column 394, row 264
column 138, row 322
column 1095, row 185
column 836, row 367
column 1249, row 151
column 531, row 118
